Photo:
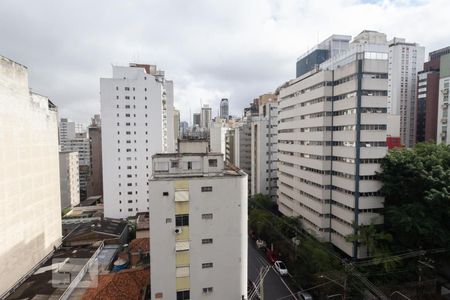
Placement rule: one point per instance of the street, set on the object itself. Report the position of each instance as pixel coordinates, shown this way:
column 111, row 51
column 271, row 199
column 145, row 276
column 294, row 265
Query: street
column 274, row 286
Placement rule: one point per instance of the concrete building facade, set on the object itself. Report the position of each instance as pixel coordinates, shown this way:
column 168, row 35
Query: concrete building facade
column 331, row 139
column 205, row 116
column 264, row 149
column 95, row 183
column 217, row 133
column 137, row 122
column 198, row 228
column 224, row 111
column 30, row 201
column 443, row 116
column 69, row 179
column 405, row 62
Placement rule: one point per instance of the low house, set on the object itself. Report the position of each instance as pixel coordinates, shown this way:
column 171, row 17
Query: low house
column 139, row 250
column 109, row 230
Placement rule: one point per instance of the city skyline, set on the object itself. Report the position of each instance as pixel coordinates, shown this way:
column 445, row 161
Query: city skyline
column 242, row 40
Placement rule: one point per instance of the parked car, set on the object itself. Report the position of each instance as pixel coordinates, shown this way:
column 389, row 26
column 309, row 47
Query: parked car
column 281, row 268
column 305, row 296
column 251, row 288
column 260, row 244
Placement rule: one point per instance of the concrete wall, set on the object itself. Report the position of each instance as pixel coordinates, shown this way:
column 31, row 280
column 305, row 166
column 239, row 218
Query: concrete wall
column 30, row 208
column 69, row 179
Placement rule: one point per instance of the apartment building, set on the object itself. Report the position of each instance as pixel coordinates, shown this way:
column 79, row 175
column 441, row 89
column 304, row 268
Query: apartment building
column 331, row 138
column 217, row 133
column 69, row 179
column 205, row 116
column 428, row 97
column 264, row 148
column 30, row 203
column 198, row 226
column 405, row 62
column 95, row 182
column 224, row 111
column 443, row 116
column 137, row 122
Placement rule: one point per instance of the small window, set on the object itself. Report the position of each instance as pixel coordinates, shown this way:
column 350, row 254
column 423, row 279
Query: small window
column 183, row 295
column 182, row 220
column 207, row 290
column 207, row 216
column 130, row 209
column 207, row 265
column 212, row 162
column 189, row 164
column 207, row 241
column 165, row 193
column 168, row 220
column 206, row 188
column 174, row 164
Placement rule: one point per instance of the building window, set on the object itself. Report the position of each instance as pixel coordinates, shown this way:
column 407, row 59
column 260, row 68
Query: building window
column 189, row 165
column 174, row 164
column 206, row 188
column 212, row 162
column 168, row 220
column 183, row 295
column 130, row 209
column 207, row 265
column 207, row 241
column 182, row 220
column 207, row 290
column 207, row 216
column 165, row 193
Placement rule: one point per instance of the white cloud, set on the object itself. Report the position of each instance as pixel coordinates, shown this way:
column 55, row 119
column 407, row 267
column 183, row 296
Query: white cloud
column 211, row 49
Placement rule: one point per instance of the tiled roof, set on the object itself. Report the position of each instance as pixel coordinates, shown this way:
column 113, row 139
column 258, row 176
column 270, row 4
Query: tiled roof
column 142, row 243
column 123, row 285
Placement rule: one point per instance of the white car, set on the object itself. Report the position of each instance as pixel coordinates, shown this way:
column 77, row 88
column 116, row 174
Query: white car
column 281, row 268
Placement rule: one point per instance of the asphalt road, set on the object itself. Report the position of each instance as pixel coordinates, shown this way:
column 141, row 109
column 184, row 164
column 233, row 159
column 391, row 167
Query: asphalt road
column 274, row 286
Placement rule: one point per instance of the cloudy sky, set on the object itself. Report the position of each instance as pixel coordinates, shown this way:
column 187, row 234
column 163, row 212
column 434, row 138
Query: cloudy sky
column 212, row 49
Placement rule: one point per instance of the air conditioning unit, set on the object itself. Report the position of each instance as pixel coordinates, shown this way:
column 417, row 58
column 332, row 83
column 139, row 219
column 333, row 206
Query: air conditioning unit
column 178, row 230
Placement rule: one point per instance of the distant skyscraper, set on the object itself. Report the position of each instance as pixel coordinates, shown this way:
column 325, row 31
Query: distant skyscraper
column 205, row 116
column 405, row 61
column 183, row 127
column 95, row 185
column 137, row 122
column 196, row 119
column 330, row 47
column 224, row 113
column 30, row 208
column 428, row 97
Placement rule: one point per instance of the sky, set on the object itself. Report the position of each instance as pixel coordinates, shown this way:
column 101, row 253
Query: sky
column 211, row 49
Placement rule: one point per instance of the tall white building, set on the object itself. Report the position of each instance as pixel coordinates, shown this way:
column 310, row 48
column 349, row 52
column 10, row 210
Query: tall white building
column 443, row 120
column 405, row 61
column 331, row 139
column 264, row 149
column 30, row 207
column 217, row 138
column 224, row 111
column 69, row 179
column 198, row 227
column 137, row 122
column 205, row 116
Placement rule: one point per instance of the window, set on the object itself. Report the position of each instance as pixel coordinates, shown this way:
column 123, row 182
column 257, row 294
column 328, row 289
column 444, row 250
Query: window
column 206, row 188
column 207, row 265
column 183, row 295
column 207, row 290
column 165, row 193
column 127, row 88
column 168, row 220
column 130, row 209
column 174, row 164
column 207, row 241
column 212, row 162
column 189, row 164
column 182, row 272
column 207, row 216
column 182, row 220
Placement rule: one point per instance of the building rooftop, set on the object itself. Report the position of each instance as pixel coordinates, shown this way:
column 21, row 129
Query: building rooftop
column 141, row 244
column 129, row 284
column 98, row 230
column 142, row 221
column 42, row 284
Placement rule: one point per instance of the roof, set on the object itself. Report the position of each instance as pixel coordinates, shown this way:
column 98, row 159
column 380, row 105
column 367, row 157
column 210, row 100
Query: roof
column 126, row 284
column 103, row 229
column 142, row 244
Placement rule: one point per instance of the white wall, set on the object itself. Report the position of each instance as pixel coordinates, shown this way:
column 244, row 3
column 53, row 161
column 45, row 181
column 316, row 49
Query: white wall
column 69, row 179
column 30, row 208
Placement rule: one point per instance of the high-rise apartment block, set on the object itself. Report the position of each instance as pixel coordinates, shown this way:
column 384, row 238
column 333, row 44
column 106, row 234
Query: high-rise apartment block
column 69, row 179
column 196, row 119
column 30, row 207
column 198, row 226
column 330, row 47
column 224, row 112
column 428, row 97
column 443, row 119
column 405, row 61
column 331, row 139
column 95, row 183
column 137, row 122
column 264, row 147
column 205, row 116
